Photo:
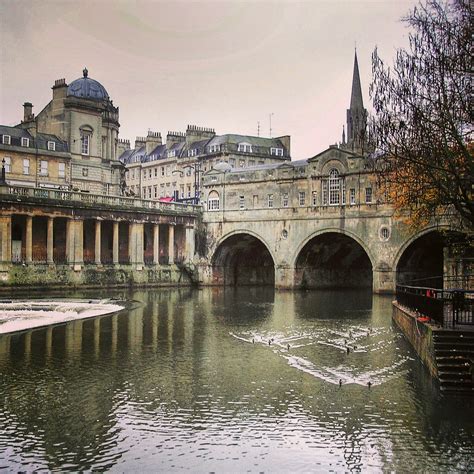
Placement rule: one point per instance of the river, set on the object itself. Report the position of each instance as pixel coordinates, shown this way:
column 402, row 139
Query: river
column 227, row 380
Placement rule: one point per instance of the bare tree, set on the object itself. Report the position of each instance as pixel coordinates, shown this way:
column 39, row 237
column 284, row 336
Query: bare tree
column 423, row 127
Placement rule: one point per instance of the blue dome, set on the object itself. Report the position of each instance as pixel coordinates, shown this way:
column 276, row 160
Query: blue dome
column 87, row 88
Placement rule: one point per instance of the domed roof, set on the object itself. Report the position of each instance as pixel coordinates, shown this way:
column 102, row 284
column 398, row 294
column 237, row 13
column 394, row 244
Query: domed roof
column 87, row 88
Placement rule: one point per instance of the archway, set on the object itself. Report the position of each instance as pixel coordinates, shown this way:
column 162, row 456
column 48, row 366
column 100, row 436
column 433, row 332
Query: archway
column 421, row 263
column 333, row 260
column 243, row 259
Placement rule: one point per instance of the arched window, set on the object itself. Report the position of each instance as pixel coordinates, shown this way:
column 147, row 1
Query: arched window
column 213, row 201
column 334, row 187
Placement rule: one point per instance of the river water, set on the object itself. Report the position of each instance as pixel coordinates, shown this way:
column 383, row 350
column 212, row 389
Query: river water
column 227, row 380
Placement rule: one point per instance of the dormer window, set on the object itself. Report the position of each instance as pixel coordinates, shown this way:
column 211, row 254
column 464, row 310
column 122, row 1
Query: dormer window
column 6, row 139
column 171, row 153
column 276, row 151
column 25, row 141
column 245, row 148
column 51, row 146
column 192, row 152
column 214, row 148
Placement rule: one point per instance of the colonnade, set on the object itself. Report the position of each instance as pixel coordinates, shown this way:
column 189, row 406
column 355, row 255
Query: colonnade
column 29, row 239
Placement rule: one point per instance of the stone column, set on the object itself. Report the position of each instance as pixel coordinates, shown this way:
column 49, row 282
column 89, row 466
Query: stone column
column 115, row 244
column 79, row 242
column 156, row 244
column 189, row 244
column 29, row 239
column 49, row 241
column 6, row 239
column 136, row 244
column 383, row 279
column 171, row 244
column 284, row 277
column 97, row 241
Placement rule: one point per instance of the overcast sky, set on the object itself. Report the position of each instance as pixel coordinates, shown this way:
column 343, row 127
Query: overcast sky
column 225, row 65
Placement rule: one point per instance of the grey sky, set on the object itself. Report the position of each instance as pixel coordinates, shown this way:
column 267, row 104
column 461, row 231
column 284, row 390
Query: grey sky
column 225, row 65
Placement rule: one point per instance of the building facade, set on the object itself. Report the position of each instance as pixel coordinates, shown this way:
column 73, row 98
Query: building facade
column 157, row 170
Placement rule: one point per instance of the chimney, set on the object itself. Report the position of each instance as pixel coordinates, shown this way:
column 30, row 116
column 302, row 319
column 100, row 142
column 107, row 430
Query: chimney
column 139, row 142
column 59, row 89
column 122, row 146
column 195, row 133
column 174, row 137
column 153, row 139
column 28, row 112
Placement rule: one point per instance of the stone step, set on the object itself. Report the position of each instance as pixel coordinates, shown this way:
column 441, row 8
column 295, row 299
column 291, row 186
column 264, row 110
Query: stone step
column 453, row 352
column 448, row 337
column 457, row 346
column 452, row 360
column 463, row 367
column 456, row 376
column 457, row 384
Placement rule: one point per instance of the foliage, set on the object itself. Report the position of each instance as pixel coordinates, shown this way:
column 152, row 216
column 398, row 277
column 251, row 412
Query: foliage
column 423, row 126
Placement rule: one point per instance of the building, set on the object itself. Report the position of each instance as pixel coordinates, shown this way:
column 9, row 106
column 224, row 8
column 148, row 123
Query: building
column 156, row 170
column 82, row 120
column 39, row 159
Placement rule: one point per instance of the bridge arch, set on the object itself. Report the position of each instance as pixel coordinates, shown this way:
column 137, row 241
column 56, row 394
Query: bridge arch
column 420, row 260
column 243, row 257
column 333, row 258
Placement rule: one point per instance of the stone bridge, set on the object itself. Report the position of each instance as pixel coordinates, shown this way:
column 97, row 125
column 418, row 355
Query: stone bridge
column 280, row 225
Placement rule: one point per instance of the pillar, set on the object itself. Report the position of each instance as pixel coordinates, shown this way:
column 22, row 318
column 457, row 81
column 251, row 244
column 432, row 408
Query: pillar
column 49, row 241
column 75, row 242
column 171, row 244
column 97, row 241
column 115, row 244
column 6, row 239
column 29, row 239
column 156, row 244
column 135, row 243
column 284, row 277
column 189, row 244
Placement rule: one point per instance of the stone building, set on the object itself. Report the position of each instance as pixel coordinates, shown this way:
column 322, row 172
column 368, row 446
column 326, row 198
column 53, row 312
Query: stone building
column 39, row 159
column 157, row 170
column 83, row 116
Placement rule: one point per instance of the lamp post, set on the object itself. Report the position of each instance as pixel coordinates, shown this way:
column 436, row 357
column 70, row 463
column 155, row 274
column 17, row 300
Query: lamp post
column 197, row 179
column 3, row 178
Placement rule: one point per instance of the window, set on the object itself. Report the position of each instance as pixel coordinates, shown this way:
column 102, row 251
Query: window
column 85, row 171
column 352, row 196
column 302, row 198
column 25, row 141
column 334, row 187
column 245, row 147
column 181, row 188
column 214, row 148
column 242, row 202
column 284, row 201
column 168, row 170
column 26, row 166
column 242, row 163
column 51, row 146
column 7, row 139
column 155, row 191
column 188, row 187
column 270, row 200
column 192, row 152
column 162, row 171
column 188, row 171
column 171, row 153
column 368, row 195
column 255, row 200
column 276, row 151
column 144, row 174
column 232, row 162
column 213, row 179
column 156, row 172
column 325, row 192
column 8, row 164
column 150, row 171
column 149, row 192
column 213, row 201
column 314, row 198
column 384, row 233
column 43, row 168
column 251, row 162
column 85, row 140
column 61, row 170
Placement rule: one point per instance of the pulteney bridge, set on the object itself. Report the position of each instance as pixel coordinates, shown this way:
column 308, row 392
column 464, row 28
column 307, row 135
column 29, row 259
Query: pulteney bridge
column 318, row 223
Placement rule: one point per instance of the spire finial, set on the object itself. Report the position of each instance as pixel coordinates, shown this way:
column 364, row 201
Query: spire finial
column 85, row 72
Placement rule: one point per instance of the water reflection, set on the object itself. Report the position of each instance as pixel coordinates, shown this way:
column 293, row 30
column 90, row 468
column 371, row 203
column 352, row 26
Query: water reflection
column 187, row 380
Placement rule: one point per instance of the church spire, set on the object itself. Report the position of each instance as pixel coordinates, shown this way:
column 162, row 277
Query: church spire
column 356, row 94
column 356, row 114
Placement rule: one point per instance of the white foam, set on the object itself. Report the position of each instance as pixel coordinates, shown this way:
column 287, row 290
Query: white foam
column 21, row 315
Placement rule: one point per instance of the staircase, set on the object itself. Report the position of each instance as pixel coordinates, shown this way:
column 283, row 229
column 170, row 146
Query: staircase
column 454, row 354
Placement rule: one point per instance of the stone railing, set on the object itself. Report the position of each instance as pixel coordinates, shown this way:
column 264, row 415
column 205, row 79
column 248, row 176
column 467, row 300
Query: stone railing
column 121, row 202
